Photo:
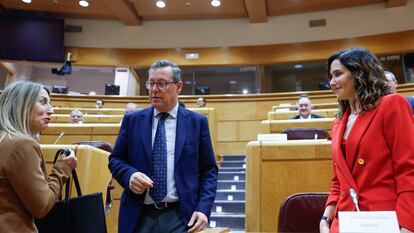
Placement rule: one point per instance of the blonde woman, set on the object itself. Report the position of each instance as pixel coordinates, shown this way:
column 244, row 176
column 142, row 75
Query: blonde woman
column 26, row 191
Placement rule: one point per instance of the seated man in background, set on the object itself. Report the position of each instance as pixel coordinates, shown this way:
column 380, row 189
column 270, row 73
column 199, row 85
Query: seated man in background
column 131, row 107
column 100, row 103
column 201, row 102
column 392, row 81
column 76, row 117
column 305, row 109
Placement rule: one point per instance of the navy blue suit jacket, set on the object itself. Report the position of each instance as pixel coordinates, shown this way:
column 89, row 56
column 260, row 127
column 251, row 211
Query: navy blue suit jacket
column 195, row 170
column 312, row 116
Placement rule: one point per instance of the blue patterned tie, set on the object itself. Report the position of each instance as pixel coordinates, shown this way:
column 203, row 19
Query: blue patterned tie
column 159, row 161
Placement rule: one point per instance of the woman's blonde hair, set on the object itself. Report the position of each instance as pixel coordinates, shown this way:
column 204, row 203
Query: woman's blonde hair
column 16, row 104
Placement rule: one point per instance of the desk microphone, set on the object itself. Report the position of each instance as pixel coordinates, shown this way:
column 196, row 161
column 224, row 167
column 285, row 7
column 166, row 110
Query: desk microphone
column 60, row 136
column 354, row 198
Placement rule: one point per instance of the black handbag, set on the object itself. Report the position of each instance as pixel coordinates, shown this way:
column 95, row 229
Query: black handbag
column 81, row 214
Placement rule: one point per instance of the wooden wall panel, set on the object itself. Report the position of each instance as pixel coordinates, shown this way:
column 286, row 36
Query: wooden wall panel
column 389, row 43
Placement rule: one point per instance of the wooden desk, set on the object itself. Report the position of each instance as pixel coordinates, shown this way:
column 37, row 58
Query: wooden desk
column 80, row 132
column 315, row 106
column 92, row 169
column 275, row 170
column 93, row 111
column 277, row 126
column 107, row 132
column 280, row 114
column 65, row 118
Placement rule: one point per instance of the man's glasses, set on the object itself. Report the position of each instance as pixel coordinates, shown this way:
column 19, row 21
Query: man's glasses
column 162, row 84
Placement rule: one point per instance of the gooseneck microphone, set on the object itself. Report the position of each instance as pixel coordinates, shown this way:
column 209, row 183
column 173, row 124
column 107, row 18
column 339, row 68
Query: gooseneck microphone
column 354, row 197
column 60, row 136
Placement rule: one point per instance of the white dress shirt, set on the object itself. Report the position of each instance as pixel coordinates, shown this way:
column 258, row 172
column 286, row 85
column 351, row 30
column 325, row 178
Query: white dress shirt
column 170, row 131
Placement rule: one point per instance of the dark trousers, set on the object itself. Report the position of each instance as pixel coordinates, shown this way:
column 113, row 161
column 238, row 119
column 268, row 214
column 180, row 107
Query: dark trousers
column 161, row 221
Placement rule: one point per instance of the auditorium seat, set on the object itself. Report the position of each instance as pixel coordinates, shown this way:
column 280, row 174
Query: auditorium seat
column 301, row 212
column 98, row 144
column 306, row 133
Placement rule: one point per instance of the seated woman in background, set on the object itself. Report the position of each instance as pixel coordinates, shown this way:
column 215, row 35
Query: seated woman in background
column 25, row 188
column 76, row 117
column 372, row 142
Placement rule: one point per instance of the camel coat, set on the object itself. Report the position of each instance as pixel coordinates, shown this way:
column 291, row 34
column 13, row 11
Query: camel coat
column 26, row 191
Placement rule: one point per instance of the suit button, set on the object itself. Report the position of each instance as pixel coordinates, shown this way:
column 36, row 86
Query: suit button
column 361, row 161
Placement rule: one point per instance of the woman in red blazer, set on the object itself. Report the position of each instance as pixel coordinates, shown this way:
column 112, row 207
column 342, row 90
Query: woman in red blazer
column 372, row 142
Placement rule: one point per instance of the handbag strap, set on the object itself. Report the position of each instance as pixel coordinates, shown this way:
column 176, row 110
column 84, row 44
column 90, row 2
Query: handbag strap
column 66, row 151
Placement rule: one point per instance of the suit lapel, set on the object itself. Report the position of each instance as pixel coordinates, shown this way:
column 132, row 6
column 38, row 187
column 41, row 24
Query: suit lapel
column 339, row 129
column 181, row 132
column 146, row 131
column 360, row 126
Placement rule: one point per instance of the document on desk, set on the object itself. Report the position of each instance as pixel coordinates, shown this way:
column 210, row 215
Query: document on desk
column 368, row 222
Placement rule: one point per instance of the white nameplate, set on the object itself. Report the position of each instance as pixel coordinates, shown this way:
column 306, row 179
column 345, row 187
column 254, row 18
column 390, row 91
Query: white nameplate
column 368, row 222
column 219, row 209
column 212, row 223
column 272, row 137
column 279, row 110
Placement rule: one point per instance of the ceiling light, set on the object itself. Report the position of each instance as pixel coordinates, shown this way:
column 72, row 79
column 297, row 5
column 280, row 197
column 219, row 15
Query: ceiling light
column 192, row 56
column 160, row 4
column 245, row 91
column 215, row 3
column 27, row 1
column 298, row 66
column 84, row 3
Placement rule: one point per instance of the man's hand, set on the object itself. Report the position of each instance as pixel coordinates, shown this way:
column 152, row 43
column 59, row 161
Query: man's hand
column 139, row 182
column 198, row 222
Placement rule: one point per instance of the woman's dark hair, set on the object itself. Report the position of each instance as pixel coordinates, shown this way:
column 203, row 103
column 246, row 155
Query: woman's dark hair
column 369, row 79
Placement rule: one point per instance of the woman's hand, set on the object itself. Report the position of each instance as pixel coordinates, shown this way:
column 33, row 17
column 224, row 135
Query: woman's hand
column 405, row 230
column 70, row 160
column 323, row 226
column 328, row 214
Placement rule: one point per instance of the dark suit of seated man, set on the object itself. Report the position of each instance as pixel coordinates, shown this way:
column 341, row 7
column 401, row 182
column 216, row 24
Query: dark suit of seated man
column 305, row 109
column 164, row 160
column 392, row 82
column 410, row 100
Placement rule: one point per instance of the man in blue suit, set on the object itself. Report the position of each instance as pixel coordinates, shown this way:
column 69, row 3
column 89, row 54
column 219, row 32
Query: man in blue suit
column 164, row 160
column 305, row 109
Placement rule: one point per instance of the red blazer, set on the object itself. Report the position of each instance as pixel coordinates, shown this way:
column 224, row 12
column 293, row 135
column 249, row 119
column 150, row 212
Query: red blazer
column 379, row 162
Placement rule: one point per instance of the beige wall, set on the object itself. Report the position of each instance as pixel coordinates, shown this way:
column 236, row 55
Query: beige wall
column 82, row 80
column 344, row 23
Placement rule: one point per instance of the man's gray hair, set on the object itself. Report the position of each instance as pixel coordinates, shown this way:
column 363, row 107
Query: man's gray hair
column 176, row 71
column 390, row 74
